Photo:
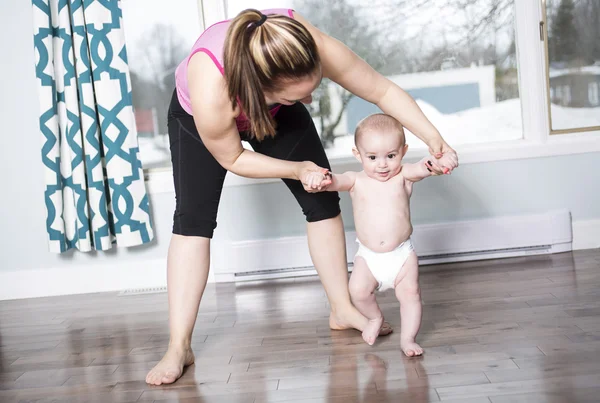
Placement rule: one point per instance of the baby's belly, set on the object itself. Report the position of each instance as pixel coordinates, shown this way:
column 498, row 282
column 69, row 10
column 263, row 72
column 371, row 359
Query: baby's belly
column 383, row 232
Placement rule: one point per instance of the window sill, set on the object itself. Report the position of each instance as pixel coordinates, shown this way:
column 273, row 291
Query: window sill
column 161, row 181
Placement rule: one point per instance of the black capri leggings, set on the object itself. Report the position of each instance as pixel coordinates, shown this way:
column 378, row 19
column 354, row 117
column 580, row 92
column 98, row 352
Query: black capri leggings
column 199, row 177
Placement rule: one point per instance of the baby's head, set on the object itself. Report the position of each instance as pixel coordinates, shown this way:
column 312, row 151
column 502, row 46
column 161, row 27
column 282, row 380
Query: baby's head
column 380, row 146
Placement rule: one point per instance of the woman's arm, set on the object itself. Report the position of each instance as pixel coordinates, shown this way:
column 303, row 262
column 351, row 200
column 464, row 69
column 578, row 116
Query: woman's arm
column 215, row 120
column 344, row 67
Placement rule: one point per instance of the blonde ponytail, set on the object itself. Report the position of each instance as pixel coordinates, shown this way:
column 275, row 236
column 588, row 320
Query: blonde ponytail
column 261, row 52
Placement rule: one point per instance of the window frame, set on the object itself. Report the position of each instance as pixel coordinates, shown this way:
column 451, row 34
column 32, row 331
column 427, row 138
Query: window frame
column 544, row 37
column 534, row 93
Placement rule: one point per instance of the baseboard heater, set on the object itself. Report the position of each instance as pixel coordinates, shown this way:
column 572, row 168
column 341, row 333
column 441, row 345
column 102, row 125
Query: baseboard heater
column 490, row 238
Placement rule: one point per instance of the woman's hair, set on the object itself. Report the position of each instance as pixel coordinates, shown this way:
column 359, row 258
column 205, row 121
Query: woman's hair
column 260, row 55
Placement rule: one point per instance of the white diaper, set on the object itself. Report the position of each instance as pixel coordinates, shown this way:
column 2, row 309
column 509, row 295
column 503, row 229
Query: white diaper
column 385, row 266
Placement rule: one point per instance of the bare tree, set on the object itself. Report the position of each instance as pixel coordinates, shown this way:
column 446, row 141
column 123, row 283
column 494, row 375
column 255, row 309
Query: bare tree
column 346, row 22
column 157, row 55
column 563, row 41
column 457, row 33
column 160, row 50
column 587, row 22
column 466, row 30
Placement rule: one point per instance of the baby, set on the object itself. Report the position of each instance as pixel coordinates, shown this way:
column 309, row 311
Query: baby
column 380, row 199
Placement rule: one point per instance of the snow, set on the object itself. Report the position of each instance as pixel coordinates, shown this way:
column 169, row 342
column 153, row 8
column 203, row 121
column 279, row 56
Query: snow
column 568, row 118
column 154, row 152
column 498, row 122
column 593, row 70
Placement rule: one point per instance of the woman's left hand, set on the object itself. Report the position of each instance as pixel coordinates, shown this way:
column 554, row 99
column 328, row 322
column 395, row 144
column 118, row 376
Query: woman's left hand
column 450, row 160
column 312, row 176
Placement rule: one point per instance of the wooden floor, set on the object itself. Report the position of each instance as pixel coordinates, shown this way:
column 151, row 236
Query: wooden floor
column 513, row 330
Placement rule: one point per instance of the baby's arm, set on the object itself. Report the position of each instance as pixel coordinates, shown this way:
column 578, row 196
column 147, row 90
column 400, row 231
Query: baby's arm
column 422, row 169
column 341, row 182
column 330, row 182
column 417, row 171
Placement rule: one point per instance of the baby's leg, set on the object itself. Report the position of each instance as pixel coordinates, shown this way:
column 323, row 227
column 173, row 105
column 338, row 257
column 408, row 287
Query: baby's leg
column 362, row 286
column 409, row 295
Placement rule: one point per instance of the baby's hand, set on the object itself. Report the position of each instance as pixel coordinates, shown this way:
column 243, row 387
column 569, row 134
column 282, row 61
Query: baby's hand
column 317, row 181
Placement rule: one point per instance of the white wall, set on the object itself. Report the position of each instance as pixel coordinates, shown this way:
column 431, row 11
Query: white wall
column 23, row 244
column 248, row 212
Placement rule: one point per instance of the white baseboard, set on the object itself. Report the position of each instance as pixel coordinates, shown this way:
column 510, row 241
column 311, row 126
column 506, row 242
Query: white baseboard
column 586, row 234
column 283, row 252
column 82, row 279
column 490, row 238
column 129, row 275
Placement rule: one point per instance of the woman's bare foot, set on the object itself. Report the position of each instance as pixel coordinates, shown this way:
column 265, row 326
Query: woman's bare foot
column 335, row 323
column 371, row 332
column 386, row 329
column 410, row 348
column 170, row 368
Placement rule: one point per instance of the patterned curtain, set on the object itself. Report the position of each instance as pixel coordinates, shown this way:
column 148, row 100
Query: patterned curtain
column 95, row 194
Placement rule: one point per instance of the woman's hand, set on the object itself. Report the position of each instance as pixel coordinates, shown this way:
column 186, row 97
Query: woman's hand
column 445, row 158
column 312, row 176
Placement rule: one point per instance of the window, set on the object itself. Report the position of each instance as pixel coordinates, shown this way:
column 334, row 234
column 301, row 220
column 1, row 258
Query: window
column 573, row 64
column 461, row 69
column 566, row 95
column 465, row 61
column 233, row 7
column 157, row 41
column 593, row 93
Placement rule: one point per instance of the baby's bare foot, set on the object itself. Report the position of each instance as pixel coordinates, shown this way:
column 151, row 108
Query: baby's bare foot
column 371, row 332
column 170, row 368
column 410, row 348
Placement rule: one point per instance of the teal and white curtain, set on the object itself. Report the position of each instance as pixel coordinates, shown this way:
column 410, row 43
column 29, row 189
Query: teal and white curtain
column 95, row 194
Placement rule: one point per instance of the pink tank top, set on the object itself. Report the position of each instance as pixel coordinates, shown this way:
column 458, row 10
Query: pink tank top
column 211, row 42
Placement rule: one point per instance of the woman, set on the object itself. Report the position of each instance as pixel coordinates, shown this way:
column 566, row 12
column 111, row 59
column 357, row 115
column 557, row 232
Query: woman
column 246, row 79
